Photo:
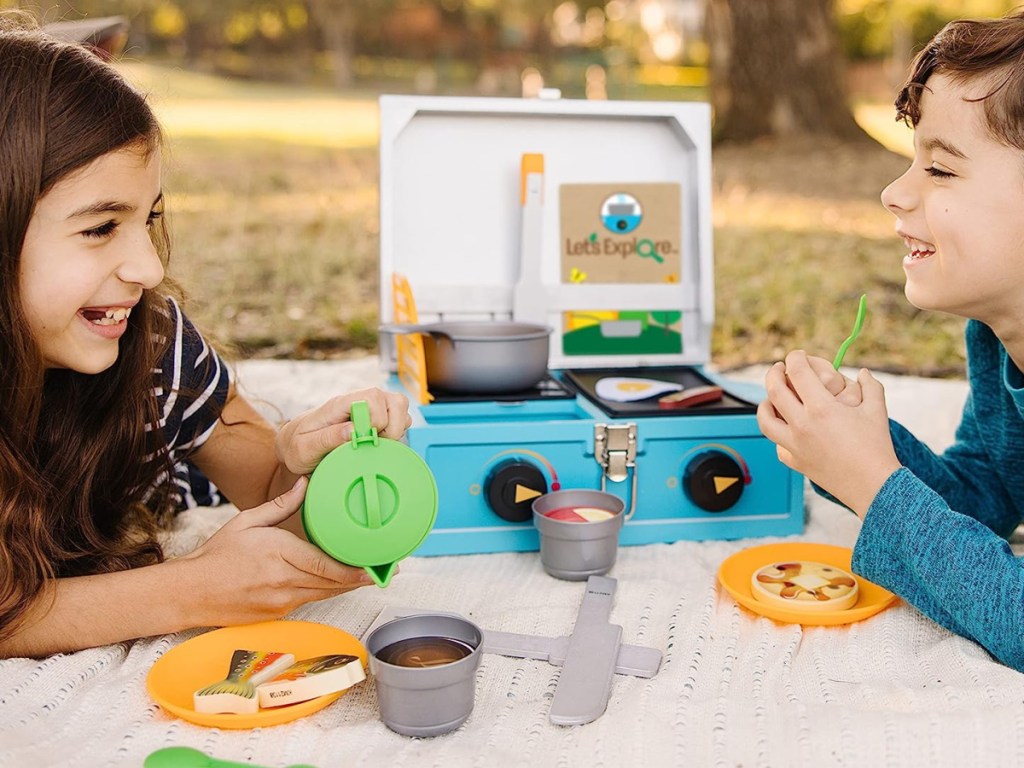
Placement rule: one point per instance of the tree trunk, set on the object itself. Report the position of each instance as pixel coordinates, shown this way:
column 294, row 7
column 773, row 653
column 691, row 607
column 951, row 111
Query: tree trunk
column 337, row 22
column 776, row 70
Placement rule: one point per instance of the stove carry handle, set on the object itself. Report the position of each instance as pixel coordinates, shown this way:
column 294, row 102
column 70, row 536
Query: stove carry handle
column 615, row 451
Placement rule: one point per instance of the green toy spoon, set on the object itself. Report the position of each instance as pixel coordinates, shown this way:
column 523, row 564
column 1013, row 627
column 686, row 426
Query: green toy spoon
column 186, row 757
column 861, row 311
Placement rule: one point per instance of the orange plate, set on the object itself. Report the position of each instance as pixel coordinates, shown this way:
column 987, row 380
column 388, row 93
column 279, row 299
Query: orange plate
column 204, row 659
column 736, row 571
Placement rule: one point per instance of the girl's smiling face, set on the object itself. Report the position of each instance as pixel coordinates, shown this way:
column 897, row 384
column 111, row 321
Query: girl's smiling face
column 88, row 256
column 960, row 210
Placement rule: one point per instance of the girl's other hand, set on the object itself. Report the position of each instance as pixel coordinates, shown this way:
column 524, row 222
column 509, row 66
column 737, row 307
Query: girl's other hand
column 251, row 570
column 845, row 449
column 306, row 439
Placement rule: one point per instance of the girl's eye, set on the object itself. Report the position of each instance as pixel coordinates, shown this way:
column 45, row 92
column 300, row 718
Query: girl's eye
column 154, row 216
column 938, row 173
column 103, row 230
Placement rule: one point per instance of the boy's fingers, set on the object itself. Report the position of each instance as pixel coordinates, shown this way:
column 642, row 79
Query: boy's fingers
column 805, row 381
column 769, row 422
column 780, row 396
column 833, row 380
column 872, row 391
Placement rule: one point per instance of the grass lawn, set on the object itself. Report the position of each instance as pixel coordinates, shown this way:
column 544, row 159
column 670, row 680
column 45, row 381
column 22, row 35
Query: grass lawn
column 273, row 208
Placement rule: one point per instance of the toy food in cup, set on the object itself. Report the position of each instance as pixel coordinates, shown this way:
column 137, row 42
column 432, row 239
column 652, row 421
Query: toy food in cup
column 424, row 667
column 425, row 651
column 579, row 514
column 371, row 501
column 801, row 585
column 575, row 549
column 236, row 694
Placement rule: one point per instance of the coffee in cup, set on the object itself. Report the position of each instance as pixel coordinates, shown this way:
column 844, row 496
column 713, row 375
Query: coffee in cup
column 424, row 668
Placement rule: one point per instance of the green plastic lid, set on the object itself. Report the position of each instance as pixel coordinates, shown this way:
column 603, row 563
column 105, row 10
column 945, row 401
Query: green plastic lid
column 371, row 501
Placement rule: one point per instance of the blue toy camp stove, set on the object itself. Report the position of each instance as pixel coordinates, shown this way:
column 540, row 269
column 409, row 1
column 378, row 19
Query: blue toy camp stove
column 593, row 218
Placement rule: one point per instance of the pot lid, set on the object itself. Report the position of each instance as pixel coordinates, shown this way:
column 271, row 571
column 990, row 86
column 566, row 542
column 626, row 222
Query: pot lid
column 370, row 502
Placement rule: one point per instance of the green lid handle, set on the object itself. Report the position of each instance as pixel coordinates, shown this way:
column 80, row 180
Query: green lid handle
column 363, row 432
column 372, row 498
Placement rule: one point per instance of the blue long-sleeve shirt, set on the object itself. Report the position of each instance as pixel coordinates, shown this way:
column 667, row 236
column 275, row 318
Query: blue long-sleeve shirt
column 936, row 532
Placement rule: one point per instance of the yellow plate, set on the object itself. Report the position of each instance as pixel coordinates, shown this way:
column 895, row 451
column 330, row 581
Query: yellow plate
column 204, row 659
column 736, row 571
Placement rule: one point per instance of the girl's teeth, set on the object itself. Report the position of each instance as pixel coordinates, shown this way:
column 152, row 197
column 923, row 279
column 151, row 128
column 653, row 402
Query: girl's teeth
column 114, row 316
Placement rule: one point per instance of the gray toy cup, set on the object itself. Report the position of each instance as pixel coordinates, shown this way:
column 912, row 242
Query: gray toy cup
column 425, row 700
column 576, row 551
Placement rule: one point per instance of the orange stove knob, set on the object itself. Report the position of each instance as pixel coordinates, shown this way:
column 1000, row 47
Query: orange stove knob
column 713, row 481
column 511, row 487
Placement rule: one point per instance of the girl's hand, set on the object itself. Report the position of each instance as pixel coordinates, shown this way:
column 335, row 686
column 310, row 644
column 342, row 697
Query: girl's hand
column 846, row 449
column 306, row 439
column 250, row 570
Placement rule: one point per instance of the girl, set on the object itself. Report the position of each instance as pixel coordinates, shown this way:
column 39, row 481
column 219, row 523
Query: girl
column 113, row 409
column 935, row 527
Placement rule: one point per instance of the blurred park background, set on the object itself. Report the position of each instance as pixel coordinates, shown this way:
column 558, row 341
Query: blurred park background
column 270, row 111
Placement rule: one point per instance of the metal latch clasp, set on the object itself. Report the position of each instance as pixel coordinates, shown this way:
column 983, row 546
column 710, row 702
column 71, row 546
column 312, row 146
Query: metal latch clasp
column 615, row 451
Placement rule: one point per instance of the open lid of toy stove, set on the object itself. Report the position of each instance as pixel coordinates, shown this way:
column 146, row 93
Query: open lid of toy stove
column 593, row 217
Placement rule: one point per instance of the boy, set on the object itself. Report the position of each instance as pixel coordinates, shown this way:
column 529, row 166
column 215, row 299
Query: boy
column 935, row 527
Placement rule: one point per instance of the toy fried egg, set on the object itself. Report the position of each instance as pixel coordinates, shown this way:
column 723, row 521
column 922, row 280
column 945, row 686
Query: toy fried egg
column 800, row 585
column 620, row 389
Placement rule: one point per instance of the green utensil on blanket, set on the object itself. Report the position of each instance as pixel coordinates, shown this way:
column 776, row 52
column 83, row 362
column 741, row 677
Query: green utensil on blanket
column 186, row 757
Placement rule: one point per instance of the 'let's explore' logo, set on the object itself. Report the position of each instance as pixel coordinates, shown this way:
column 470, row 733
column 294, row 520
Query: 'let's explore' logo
column 616, row 234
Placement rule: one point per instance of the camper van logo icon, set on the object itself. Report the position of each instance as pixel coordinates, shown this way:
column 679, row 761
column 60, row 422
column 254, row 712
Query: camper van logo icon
column 621, row 213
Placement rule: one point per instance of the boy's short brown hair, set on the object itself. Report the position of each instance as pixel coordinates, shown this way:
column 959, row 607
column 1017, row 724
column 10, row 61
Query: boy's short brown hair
column 967, row 50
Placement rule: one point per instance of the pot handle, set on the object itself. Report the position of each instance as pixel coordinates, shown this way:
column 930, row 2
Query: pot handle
column 402, row 328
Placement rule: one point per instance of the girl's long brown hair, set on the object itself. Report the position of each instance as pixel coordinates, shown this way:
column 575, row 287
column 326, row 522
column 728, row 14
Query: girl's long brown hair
column 84, row 471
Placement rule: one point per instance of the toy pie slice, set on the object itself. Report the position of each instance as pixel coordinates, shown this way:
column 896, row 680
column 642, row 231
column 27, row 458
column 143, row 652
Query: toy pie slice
column 800, row 585
column 579, row 514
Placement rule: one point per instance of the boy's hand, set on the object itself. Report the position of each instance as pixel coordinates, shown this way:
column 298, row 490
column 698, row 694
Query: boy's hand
column 250, row 570
column 843, row 389
column 306, row 439
column 846, row 449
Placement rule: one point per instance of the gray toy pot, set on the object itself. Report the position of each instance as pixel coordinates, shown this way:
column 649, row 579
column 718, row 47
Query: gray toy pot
column 482, row 357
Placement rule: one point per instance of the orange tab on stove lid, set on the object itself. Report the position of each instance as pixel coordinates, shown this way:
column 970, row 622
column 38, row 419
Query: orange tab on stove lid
column 803, row 585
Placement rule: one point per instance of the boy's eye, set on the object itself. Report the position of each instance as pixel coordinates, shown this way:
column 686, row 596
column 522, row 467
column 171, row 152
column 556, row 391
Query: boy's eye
column 938, row 173
column 103, row 230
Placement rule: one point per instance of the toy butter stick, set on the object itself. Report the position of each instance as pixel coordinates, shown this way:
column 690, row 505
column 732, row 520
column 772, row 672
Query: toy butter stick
column 236, row 694
column 310, row 678
column 691, row 396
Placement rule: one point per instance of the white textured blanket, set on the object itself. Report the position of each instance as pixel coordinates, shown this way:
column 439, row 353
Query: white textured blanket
column 734, row 689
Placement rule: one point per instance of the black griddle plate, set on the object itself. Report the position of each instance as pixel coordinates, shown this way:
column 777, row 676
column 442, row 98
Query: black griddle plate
column 585, row 381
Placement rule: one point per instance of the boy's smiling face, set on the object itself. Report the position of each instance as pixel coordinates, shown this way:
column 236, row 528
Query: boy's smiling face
column 960, row 210
column 88, row 256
